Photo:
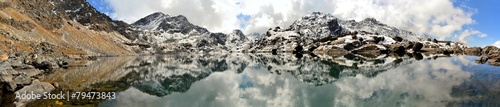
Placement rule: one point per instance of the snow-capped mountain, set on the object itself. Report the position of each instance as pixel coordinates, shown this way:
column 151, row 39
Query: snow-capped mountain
column 164, row 75
column 171, row 24
column 318, row 25
column 371, row 25
column 161, row 33
column 316, row 32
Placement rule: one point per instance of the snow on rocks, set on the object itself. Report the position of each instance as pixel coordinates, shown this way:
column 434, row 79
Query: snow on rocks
column 314, row 33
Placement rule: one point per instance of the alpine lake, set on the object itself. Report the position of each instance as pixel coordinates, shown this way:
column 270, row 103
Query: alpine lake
column 260, row 80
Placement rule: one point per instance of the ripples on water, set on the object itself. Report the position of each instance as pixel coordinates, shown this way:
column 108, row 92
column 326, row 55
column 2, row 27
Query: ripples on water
column 238, row 80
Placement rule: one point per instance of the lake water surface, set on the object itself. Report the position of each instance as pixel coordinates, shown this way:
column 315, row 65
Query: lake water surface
column 238, row 80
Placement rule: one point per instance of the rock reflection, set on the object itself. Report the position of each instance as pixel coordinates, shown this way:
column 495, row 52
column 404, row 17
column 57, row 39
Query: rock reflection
column 285, row 80
column 426, row 83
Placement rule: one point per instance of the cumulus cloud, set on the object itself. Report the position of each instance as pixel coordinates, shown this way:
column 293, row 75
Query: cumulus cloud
column 497, row 44
column 465, row 35
column 216, row 15
column 441, row 18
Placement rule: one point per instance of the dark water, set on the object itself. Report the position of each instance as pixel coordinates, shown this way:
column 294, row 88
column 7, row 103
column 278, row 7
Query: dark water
column 239, row 80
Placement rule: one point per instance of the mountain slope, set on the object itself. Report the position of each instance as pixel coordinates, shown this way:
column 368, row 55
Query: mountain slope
column 325, row 33
column 71, row 28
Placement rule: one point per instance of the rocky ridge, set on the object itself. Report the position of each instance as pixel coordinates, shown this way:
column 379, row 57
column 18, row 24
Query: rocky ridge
column 161, row 33
column 490, row 54
column 324, row 34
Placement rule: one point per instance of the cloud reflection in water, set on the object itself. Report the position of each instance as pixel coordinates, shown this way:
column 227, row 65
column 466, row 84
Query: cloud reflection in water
column 414, row 83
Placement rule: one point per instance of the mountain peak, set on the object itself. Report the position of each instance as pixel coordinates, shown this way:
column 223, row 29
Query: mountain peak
column 371, row 21
column 171, row 24
column 158, row 14
column 237, row 32
column 317, row 24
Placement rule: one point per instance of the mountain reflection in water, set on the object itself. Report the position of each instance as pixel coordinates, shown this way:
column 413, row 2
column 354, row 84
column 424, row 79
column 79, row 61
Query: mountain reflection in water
column 285, row 80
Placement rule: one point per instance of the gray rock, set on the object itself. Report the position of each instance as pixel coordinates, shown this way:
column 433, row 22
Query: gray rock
column 30, row 72
column 44, row 65
column 8, row 81
column 20, row 65
column 5, row 65
column 37, row 88
column 6, row 73
column 22, row 79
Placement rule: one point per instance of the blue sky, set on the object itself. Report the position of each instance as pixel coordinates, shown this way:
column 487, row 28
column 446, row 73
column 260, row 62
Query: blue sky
column 487, row 21
column 484, row 17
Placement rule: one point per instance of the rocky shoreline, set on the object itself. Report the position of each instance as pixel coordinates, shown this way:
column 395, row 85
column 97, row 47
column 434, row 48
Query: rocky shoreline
column 490, row 54
column 20, row 72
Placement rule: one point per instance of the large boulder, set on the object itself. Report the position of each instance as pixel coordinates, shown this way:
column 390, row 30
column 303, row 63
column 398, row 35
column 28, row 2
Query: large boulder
column 397, row 48
column 22, row 79
column 486, row 50
column 6, row 76
column 397, row 39
column 494, row 61
column 417, row 47
column 36, row 88
column 8, row 81
column 476, row 51
column 491, row 52
column 481, row 60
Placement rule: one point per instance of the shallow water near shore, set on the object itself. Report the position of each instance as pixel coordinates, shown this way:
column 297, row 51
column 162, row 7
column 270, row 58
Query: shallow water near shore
column 283, row 80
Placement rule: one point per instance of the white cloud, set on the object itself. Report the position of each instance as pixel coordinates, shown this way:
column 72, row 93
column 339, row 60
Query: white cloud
column 215, row 15
column 497, row 44
column 436, row 17
column 465, row 35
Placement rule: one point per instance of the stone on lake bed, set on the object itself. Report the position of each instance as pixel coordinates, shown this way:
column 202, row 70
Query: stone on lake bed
column 37, row 88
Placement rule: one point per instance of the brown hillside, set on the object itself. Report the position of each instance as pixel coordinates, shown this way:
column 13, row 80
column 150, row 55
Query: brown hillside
column 48, row 25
